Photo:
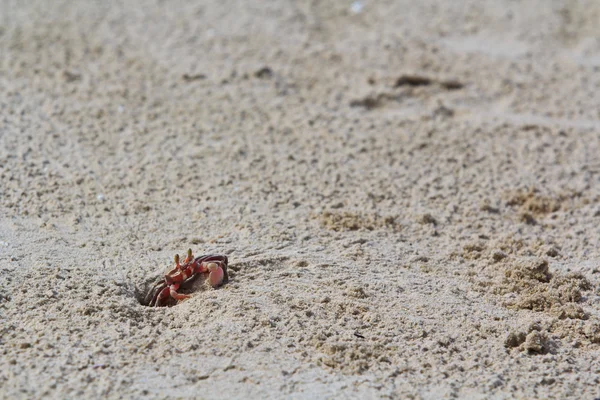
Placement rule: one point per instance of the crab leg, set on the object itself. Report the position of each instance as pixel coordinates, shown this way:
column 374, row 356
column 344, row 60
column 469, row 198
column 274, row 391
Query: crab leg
column 152, row 294
column 162, row 295
column 177, row 296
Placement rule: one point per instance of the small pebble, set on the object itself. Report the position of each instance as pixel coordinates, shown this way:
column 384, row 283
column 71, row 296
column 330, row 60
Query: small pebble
column 357, row 7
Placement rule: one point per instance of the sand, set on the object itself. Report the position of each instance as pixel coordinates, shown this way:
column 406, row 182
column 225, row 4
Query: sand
column 407, row 193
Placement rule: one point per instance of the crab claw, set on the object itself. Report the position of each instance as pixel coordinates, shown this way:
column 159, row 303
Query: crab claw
column 216, row 274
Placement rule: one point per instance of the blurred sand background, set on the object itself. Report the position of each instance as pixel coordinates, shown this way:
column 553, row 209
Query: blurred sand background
column 407, row 193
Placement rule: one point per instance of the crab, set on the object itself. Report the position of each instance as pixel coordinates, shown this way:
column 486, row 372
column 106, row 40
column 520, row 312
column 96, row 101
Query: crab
column 189, row 269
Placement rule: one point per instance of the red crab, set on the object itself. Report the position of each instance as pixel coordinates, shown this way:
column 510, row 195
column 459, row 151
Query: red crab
column 215, row 265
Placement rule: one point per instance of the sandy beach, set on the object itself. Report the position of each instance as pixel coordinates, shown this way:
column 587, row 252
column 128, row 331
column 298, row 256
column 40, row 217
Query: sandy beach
column 407, row 193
